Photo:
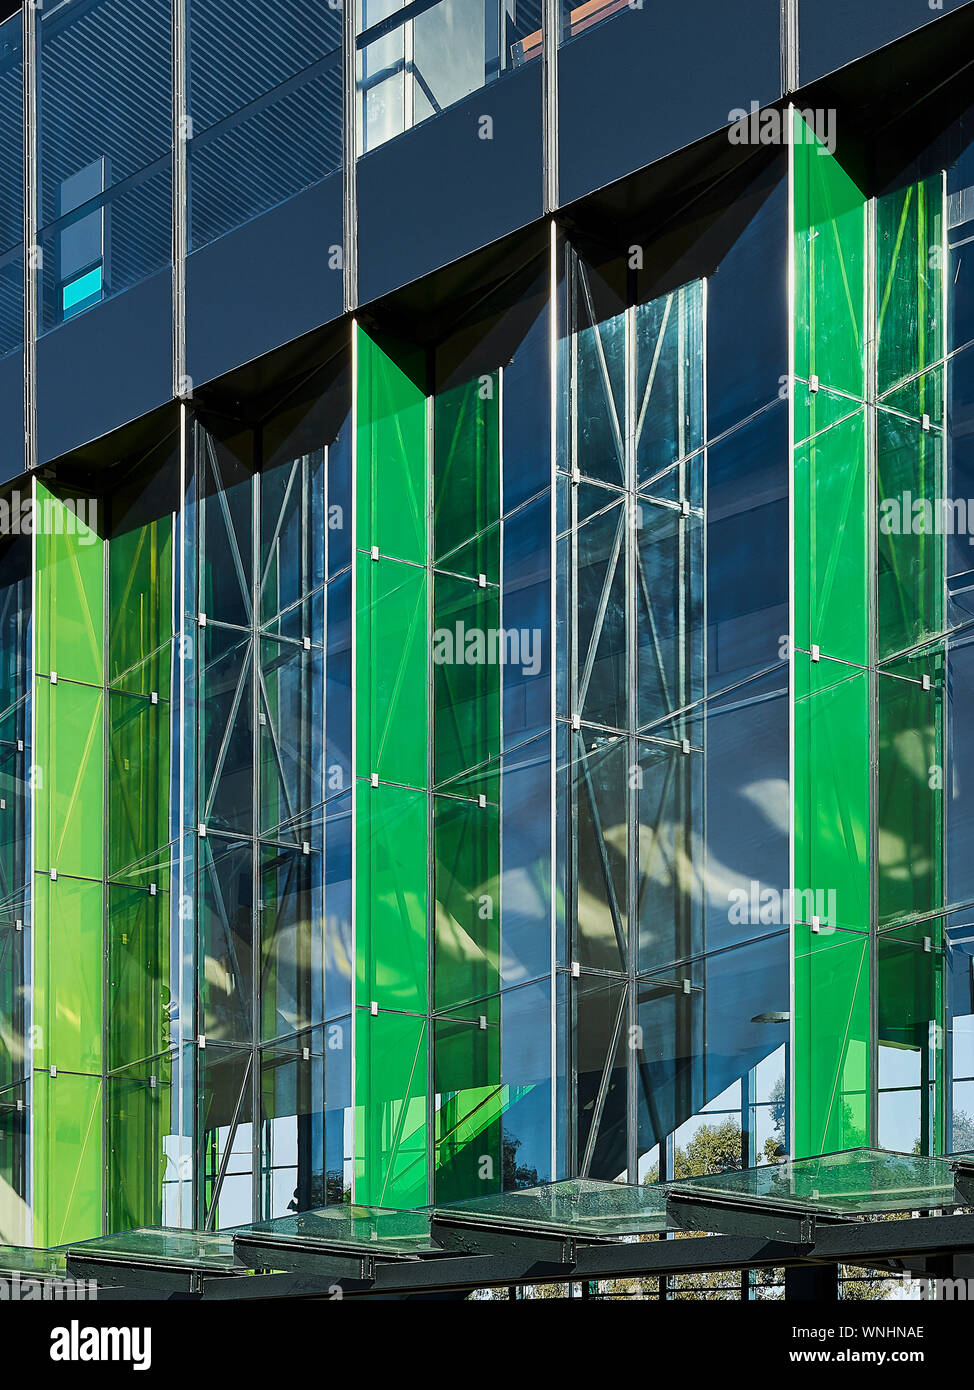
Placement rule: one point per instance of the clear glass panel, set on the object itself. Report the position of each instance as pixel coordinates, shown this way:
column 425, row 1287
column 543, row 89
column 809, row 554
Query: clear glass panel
column 576, row 1206
column 862, row 1182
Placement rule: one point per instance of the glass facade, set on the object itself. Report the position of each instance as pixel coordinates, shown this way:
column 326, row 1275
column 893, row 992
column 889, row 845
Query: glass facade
column 520, row 736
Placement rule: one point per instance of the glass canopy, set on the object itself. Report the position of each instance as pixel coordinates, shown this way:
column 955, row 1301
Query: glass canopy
column 352, row 1228
column 577, row 1206
column 21, row 1259
column 163, row 1246
column 857, row 1182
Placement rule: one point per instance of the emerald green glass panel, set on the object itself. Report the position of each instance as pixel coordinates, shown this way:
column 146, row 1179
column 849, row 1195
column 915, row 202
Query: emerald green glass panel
column 67, row 1158
column 391, row 896
column 480, row 556
column 909, row 286
column 913, row 520
column 138, row 780
column 832, row 1041
column 391, row 444
column 390, row 1116
column 138, row 1107
column 138, row 973
column 466, row 475
column 912, row 990
column 468, row 653
column 831, row 585
column 69, row 754
column 820, row 410
column 140, row 601
column 67, row 974
column 466, row 886
column 832, row 787
column 468, row 1140
column 830, row 253
column 70, row 593
column 922, row 395
column 910, row 809
column 392, row 652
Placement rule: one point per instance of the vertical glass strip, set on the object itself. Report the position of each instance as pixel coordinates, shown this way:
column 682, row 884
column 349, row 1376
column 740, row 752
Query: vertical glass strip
column 68, row 858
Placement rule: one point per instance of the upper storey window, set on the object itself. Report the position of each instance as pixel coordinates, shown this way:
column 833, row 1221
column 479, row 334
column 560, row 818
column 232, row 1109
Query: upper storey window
column 414, row 60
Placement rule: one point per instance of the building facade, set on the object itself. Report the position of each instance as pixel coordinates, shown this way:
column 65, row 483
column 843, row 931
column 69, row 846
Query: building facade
column 483, row 599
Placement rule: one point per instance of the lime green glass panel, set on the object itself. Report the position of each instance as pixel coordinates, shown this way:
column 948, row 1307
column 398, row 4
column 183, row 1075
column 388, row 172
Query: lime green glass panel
column 69, row 752
column 391, row 670
column 910, row 809
column 910, row 532
column 390, row 1119
column 140, row 603
column 909, row 285
column 67, row 1158
column 138, row 780
column 830, row 249
column 70, row 594
column 471, row 1102
column 831, row 584
column 832, row 787
column 466, row 885
column 832, row 1027
column 138, row 1108
column 138, row 973
column 391, row 896
column 466, row 476
column 391, row 443
column 67, row 974
column 468, row 652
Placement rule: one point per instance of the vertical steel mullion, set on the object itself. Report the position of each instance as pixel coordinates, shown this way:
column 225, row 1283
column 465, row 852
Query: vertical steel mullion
column 870, row 335
column 943, row 1087
column 553, row 400
column 632, row 723
column 791, row 1077
column 106, row 771
column 256, row 917
column 182, row 133
column 352, row 759
column 179, row 629
column 789, row 46
column 350, row 151
column 549, row 69
column 32, row 258
column 574, row 741
column 430, row 384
